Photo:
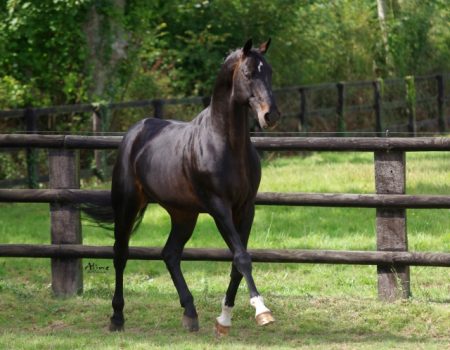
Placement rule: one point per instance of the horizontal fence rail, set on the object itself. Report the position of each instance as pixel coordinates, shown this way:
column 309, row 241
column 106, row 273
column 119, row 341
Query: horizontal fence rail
column 89, row 107
column 258, row 255
column 368, row 144
column 262, row 198
column 354, row 200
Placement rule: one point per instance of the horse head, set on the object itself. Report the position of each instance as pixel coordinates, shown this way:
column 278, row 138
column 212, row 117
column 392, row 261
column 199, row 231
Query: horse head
column 252, row 84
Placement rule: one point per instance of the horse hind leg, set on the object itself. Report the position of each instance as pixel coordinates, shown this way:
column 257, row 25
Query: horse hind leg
column 126, row 209
column 182, row 228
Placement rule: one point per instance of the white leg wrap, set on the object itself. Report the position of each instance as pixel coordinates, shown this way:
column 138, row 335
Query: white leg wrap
column 258, row 304
column 225, row 317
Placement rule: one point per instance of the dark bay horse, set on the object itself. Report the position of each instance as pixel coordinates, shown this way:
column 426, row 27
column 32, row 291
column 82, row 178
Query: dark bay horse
column 208, row 165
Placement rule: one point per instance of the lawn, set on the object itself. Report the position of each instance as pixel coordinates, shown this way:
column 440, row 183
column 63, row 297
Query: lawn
column 316, row 306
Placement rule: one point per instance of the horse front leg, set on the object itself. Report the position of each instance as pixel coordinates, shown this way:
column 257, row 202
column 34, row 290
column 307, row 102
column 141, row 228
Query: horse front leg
column 243, row 223
column 236, row 234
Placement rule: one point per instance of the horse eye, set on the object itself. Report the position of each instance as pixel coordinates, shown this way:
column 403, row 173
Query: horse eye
column 247, row 73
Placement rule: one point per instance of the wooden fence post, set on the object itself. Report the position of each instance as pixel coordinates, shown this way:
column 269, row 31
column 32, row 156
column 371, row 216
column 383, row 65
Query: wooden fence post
column 377, row 107
column 393, row 281
column 67, row 274
column 340, row 109
column 31, row 127
column 97, row 128
column 206, row 101
column 411, row 105
column 303, row 110
column 158, row 109
column 101, row 120
column 441, row 104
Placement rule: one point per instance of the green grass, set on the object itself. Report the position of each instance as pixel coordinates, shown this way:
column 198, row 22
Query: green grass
column 316, row 306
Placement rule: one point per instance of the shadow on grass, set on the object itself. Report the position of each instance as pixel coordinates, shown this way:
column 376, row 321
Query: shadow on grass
column 318, row 325
column 155, row 321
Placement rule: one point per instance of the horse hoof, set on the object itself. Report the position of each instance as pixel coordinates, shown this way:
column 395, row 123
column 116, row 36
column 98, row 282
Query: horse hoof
column 264, row 319
column 114, row 327
column 221, row 331
column 191, row 324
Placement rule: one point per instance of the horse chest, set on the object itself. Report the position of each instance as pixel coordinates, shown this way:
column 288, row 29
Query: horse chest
column 235, row 179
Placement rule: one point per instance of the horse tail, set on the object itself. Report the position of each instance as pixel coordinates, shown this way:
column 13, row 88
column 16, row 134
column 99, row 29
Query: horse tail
column 98, row 209
column 138, row 220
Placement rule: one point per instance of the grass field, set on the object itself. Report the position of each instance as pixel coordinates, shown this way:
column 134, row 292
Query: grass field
column 316, row 306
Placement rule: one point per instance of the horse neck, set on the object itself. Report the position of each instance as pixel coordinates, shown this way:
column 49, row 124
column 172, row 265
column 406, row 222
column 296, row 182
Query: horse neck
column 229, row 118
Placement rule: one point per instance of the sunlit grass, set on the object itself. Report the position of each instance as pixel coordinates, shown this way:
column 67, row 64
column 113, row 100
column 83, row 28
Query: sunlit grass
column 316, row 306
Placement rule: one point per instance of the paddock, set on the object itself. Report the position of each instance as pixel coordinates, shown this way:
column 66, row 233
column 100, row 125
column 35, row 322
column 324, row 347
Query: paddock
column 392, row 256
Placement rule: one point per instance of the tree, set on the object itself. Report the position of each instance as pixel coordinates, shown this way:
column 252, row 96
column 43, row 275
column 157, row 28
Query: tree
column 106, row 45
column 55, row 52
column 42, row 47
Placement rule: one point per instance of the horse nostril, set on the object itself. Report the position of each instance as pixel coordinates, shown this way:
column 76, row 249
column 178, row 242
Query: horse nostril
column 272, row 117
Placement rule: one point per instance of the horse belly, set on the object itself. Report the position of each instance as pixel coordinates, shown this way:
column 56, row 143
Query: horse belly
column 164, row 181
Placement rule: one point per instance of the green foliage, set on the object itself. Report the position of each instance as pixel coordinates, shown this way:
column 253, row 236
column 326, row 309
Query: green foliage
column 329, row 41
column 13, row 93
column 42, row 46
column 174, row 48
column 8, row 170
column 410, row 90
column 409, row 37
column 184, row 43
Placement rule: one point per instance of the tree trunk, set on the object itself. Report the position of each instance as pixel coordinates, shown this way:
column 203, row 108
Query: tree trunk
column 106, row 44
column 386, row 10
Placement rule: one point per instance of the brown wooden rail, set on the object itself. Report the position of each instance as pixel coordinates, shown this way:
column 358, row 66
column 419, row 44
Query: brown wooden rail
column 263, row 198
column 258, row 255
column 367, row 144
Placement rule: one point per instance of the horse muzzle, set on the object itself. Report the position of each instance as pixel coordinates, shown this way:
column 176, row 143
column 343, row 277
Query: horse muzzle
column 271, row 118
column 267, row 115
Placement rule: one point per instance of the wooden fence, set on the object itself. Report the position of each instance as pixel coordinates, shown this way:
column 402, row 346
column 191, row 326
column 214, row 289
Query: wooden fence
column 329, row 107
column 339, row 102
column 392, row 257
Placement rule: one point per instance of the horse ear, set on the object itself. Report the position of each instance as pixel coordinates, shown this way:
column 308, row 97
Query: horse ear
column 247, row 47
column 264, row 46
